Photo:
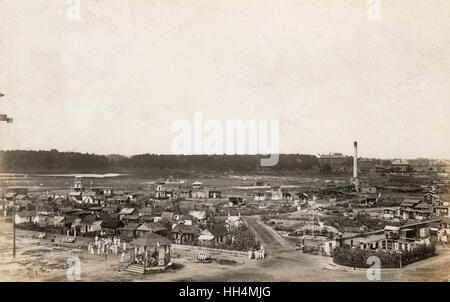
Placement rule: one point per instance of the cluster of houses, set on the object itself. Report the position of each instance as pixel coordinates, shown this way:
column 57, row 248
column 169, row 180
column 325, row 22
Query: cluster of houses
column 418, row 209
column 278, row 193
column 131, row 223
column 392, row 238
column 195, row 191
column 106, row 212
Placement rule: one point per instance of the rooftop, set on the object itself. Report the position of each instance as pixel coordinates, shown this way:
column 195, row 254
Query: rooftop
column 151, row 240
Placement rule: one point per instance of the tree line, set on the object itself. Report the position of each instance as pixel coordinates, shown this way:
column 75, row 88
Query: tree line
column 19, row 161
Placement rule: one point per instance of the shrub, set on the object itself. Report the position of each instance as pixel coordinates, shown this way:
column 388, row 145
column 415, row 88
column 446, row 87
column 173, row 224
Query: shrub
column 356, row 257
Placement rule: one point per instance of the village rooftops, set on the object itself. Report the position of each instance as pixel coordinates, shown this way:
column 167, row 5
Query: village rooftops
column 167, row 215
column 126, row 211
column 25, row 214
column 110, row 209
column 152, row 227
column 185, row 229
column 68, row 210
column 148, row 218
column 131, row 217
column 130, row 227
column 410, row 202
column 187, row 217
column 90, row 219
column 90, row 193
column 112, row 224
column 368, row 239
column 391, row 209
column 10, row 195
column 72, row 219
column 145, row 211
column 96, row 208
column 422, row 206
column 408, row 224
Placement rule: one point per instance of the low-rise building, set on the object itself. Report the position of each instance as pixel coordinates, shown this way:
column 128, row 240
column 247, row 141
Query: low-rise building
column 23, row 217
column 129, row 230
column 154, row 227
column 111, row 226
column 184, row 234
column 214, row 194
column 90, row 224
column 389, row 213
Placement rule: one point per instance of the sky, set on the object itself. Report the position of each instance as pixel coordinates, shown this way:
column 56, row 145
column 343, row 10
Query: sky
column 115, row 81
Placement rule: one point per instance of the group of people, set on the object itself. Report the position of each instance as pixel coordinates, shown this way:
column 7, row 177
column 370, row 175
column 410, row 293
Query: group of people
column 258, row 254
column 105, row 246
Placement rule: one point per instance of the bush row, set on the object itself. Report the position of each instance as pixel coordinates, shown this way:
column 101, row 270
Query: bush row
column 356, row 257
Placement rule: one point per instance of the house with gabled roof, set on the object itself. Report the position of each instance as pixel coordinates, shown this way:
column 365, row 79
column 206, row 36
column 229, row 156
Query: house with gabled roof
column 91, row 223
column 111, row 209
column 24, row 217
column 126, row 211
column 184, row 234
column 214, row 235
column 415, row 209
column 145, row 211
column 146, row 218
column 154, row 227
column 132, row 218
column 111, row 226
column 129, row 230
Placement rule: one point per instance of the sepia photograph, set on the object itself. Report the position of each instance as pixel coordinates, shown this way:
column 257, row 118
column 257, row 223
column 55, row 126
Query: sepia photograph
column 201, row 141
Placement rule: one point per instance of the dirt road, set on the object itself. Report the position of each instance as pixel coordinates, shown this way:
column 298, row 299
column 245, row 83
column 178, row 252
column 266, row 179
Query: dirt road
column 269, row 238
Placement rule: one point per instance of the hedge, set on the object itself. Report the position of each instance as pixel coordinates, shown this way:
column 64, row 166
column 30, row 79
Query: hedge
column 356, row 257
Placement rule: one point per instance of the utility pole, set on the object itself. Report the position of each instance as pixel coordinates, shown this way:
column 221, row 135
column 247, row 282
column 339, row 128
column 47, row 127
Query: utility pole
column 14, row 226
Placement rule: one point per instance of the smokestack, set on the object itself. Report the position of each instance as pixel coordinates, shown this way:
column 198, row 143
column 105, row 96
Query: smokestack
column 355, row 161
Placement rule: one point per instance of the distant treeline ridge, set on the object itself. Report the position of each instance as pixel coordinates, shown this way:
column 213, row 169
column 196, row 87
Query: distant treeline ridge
column 18, row 161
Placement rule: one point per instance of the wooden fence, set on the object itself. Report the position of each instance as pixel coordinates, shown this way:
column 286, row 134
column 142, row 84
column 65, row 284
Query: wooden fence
column 209, row 249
